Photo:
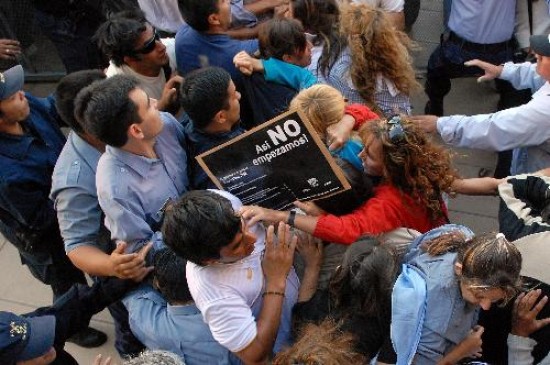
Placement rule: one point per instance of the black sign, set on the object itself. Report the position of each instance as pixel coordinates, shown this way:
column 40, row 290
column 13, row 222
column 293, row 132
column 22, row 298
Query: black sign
column 275, row 164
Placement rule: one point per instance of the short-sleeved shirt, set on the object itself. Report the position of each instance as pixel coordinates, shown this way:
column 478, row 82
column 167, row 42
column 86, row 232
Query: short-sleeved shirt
column 74, row 194
column 195, row 50
column 229, row 295
column 483, row 21
column 133, row 190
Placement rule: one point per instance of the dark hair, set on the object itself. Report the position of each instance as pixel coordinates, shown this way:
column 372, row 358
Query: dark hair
column 488, row 261
column 66, row 92
column 106, row 110
column 278, row 37
column 364, row 282
column 349, row 200
column 204, row 93
column 322, row 17
column 196, row 13
column 117, row 37
column 199, row 224
column 170, row 279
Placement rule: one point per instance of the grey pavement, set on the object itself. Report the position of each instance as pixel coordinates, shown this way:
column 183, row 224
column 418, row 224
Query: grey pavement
column 20, row 292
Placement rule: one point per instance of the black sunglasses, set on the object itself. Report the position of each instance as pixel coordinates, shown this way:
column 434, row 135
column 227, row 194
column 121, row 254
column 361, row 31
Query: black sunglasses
column 396, row 132
column 150, row 44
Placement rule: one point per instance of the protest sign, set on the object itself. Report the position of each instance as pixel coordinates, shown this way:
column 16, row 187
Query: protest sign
column 275, row 164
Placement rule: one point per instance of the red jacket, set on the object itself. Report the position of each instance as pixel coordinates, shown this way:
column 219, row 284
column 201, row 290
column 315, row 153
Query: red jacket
column 387, row 210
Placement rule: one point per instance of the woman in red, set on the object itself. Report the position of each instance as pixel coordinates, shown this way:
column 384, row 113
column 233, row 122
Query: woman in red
column 414, row 173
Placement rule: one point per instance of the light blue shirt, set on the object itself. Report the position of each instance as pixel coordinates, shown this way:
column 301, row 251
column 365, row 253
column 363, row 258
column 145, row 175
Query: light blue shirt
column 175, row 328
column 526, row 126
column 75, row 196
column 240, row 17
column 133, row 190
column 483, row 21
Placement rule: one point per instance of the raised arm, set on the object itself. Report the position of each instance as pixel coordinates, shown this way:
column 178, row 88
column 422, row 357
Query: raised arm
column 276, row 265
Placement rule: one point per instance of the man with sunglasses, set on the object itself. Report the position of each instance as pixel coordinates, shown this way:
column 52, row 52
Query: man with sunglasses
column 135, row 48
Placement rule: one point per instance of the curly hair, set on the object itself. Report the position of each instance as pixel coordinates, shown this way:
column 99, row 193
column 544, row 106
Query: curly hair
column 488, row 261
column 377, row 49
column 413, row 162
column 322, row 344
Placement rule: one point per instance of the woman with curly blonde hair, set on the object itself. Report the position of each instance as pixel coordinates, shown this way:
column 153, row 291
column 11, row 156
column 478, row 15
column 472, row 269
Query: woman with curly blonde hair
column 414, row 172
column 381, row 66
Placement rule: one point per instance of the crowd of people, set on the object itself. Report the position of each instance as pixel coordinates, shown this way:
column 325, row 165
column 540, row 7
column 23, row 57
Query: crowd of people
column 376, row 274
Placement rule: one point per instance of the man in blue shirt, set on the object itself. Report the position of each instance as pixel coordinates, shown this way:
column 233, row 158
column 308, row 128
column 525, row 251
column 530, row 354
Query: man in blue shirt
column 87, row 242
column 30, row 143
column 203, row 40
column 144, row 166
column 211, row 100
column 168, row 319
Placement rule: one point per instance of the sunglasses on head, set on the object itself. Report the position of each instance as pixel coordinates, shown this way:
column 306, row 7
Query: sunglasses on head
column 150, row 45
column 396, row 132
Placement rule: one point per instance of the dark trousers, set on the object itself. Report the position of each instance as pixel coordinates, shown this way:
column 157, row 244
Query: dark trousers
column 53, row 268
column 71, row 36
column 447, row 62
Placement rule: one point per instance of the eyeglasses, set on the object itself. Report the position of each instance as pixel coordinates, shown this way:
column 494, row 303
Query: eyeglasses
column 396, row 132
column 149, row 45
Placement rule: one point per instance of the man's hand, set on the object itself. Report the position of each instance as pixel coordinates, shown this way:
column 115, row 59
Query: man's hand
column 491, row 71
column 254, row 214
column 170, row 93
column 132, row 265
column 278, row 256
column 9, row 49
column 428, row 123
column 524, row 314
column 247, row 64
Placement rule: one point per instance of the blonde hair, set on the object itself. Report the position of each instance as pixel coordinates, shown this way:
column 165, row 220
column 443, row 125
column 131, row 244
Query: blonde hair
column 322, row 104
column 377, row 48
column 323, row 344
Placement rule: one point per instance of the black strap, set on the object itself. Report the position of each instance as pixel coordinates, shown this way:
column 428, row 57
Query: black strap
column 530, row 13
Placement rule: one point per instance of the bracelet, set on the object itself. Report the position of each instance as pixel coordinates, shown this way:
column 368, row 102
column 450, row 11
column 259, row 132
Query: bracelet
column 273, row 293
column 291, row 218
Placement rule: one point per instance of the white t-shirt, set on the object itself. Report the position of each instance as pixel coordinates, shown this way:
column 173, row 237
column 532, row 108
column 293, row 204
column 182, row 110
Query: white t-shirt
column 153, row 86
column 225, row 293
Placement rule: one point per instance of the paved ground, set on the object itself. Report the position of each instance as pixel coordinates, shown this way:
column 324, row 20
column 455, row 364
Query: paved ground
column 20, row 292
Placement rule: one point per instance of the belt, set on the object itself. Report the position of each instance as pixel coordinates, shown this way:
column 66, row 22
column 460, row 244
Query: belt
column 479, row 47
